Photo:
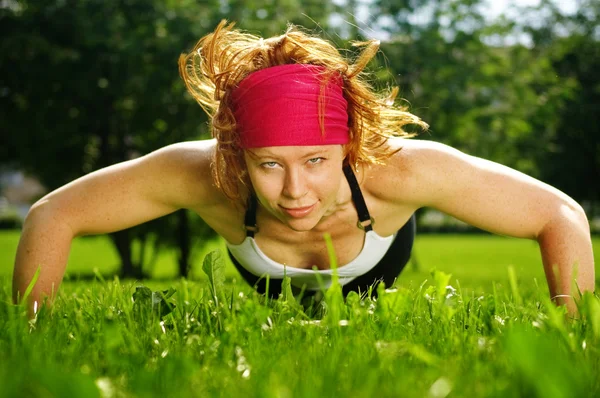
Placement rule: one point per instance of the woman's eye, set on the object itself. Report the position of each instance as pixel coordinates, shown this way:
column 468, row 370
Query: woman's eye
column 315, row 160
column 269, row 165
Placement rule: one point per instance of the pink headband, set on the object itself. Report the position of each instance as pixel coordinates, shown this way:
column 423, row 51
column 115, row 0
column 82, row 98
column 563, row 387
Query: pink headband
column 279, row 106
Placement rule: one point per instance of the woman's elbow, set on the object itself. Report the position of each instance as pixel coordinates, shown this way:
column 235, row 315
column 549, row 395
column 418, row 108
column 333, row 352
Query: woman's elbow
column 567, row 214
column 44, row 212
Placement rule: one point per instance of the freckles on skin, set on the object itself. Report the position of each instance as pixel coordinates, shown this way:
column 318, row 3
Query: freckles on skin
column 293, row 177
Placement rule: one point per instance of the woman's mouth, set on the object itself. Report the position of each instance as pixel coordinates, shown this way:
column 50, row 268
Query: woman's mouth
column 298, row 212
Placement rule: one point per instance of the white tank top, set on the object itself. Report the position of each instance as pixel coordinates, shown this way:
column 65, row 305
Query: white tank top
column 249, row 255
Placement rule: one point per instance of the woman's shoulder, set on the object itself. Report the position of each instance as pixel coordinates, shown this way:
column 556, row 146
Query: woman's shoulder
column 413, row 148
column 408, row 154
column 188, row 166
column 197, row 151
column 191, row 158
column 401, row 176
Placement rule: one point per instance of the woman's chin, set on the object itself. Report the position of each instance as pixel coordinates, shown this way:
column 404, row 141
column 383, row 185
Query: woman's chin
column 301, row 224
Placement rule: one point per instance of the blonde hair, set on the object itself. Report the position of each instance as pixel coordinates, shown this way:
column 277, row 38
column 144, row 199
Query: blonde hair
column 223, row 58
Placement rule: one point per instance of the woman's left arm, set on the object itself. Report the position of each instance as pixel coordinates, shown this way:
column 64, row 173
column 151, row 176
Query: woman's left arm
column 502, row 200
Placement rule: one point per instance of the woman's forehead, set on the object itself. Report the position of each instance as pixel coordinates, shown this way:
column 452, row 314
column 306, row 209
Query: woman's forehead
column 291, row 152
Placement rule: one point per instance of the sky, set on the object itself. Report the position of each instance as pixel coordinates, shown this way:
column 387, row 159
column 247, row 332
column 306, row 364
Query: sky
column 492, row 9
column 497, row 7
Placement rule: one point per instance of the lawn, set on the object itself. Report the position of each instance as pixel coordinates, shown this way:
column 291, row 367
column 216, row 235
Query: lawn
column 473, row 334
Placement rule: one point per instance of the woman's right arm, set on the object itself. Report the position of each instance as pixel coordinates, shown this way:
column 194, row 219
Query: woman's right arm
column 108, row 200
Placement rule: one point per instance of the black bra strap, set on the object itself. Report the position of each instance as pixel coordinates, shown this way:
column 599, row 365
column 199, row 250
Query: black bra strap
column 250, row 218
column 364, row 218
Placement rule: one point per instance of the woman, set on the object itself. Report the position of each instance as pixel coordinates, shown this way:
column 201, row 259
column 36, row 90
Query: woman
column 302, row 147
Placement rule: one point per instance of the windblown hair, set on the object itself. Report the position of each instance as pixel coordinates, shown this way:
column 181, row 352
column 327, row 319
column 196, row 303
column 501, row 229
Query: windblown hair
column 223, row 58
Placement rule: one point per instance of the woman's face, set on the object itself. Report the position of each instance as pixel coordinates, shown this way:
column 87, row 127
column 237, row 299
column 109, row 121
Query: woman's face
column 296, row 184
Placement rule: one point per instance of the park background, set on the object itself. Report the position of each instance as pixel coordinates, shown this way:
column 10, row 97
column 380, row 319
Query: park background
column 88, row 83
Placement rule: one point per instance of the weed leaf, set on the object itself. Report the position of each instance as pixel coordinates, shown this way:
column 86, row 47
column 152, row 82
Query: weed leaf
column 214, row 268
column 145, row 301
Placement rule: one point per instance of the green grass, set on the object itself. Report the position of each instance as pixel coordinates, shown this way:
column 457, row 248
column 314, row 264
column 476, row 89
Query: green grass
column 481, row 337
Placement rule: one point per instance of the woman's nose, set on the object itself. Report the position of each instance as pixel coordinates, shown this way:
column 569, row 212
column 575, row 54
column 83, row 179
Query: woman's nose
column 294, row 186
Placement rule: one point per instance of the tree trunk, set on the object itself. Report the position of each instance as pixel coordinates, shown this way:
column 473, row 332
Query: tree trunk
column 122, row 241
column 183, row 238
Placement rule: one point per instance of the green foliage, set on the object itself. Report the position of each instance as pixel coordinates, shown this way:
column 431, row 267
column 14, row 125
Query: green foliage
column 88, row 83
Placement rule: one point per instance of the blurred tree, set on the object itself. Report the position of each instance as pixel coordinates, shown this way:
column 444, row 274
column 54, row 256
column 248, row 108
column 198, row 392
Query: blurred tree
column 480, row 95
column 86, row 84
column 571, row 43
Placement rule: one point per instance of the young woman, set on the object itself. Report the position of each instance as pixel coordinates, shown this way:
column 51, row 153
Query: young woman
column 302, row 146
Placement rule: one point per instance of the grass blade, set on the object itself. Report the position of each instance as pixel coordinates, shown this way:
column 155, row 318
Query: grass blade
column 29, row 289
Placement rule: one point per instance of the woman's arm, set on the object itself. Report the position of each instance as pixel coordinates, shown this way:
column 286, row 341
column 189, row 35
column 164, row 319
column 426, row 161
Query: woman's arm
column 566, row 248
column 108, row 200
column 499, row 199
